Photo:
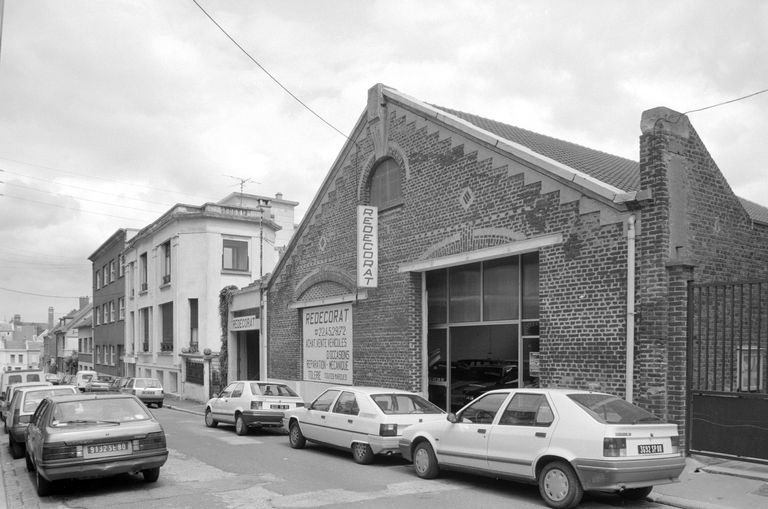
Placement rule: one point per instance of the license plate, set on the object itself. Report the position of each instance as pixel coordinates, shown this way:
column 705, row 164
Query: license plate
column 106, row 450
column 650, row 448
column 279, row 407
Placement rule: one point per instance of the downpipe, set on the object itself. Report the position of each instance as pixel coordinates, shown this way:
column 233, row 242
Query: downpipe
column 629, row 396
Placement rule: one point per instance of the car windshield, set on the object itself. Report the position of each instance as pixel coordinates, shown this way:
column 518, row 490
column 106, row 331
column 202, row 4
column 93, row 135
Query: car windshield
column 405, row 404
column 35, row 397
column 273, row 390
column 87, row 377
column 95, row 411
column 103, row 378
column 612, row 410
column 148, row 383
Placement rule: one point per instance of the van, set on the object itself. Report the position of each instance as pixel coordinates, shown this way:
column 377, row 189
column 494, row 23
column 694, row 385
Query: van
column 83, row 377
column 18, row 376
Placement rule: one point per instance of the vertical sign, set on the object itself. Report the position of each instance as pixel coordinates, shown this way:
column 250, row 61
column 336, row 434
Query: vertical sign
column 367, row 246
column 327, row 335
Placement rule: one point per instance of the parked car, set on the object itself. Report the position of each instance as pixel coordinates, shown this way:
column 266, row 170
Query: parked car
column 9, row 395
column 118, row 383
column 20, row 375
column 67, row 379
column 83, row 377
column 566, row 441
column 250, row 404
column 366, row 420
column 23, row 405
column 148, row 390
column 83, row 436
column 99, row 383
column 53, row 378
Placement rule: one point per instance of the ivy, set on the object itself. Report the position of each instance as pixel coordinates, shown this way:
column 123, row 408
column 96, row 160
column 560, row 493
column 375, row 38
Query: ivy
column 225, row 300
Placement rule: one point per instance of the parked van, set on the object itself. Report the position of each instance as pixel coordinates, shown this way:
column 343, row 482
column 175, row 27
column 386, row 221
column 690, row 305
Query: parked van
column 83, row 377
column 20, row 375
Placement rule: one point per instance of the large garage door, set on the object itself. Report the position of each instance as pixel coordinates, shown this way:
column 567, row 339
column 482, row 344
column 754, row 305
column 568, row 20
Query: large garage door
column 728, row 386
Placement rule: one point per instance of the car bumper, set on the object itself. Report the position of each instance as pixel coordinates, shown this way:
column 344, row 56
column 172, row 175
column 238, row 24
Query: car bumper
column 384, row 445
column 621, row 474
column 89, row 469
column 151, row 398
column 405, row 449
column 263, row 418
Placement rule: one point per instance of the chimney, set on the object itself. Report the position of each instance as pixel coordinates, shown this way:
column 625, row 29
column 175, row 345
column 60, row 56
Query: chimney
column 84, row 302
column 16, row 319
column 50, row 317
column 279, row 196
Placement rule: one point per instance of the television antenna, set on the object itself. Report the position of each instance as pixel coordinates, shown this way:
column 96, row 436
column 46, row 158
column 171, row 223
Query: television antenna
column 243, row 182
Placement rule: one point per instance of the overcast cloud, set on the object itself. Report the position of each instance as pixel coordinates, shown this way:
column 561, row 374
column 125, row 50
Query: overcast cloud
column 113, row 111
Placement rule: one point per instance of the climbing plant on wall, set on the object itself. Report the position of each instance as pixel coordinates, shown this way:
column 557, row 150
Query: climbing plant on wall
column 225, row 300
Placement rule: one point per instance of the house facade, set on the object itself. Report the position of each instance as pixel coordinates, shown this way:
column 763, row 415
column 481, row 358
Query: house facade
column 61, row 344
column 446, row 252
column 175, row 269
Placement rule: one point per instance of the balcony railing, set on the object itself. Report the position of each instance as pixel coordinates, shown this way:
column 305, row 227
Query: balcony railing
column 144, row 287
column 166, row 279
column 166, row 346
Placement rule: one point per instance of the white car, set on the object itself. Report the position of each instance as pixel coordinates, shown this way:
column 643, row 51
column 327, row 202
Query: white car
column 251, row 404
column 566, row 441
column 366, row 420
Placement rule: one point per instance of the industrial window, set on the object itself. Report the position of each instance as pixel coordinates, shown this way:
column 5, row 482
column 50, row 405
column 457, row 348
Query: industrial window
column 386, row 191
column 235, row 255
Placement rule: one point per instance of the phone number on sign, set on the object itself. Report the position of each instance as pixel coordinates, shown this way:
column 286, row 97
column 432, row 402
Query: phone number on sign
column 340, row 330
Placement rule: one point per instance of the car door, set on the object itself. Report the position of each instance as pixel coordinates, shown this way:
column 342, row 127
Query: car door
column 34, row 432
column 220, row 406
column 521, row 435
column 342, row 421
column 465, row 443
column 314, row 423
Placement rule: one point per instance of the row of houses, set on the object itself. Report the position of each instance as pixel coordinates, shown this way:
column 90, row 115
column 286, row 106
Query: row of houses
column 445, row 251
column 21, row 344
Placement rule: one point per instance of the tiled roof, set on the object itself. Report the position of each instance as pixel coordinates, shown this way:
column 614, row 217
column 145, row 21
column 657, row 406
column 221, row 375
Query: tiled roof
column 758, row 213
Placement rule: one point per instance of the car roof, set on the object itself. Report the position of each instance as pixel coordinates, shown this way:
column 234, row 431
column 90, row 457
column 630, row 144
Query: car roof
column 369, row 390
column 33, row 388
column 549, row 390
column 84, row 396
column 257, row 382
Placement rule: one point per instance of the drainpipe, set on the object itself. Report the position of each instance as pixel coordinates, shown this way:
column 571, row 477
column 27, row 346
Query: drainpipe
column 630, row 307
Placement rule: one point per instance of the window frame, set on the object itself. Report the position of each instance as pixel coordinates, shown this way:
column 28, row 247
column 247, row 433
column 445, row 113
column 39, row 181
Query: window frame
column 239, row 249
column 385, row 185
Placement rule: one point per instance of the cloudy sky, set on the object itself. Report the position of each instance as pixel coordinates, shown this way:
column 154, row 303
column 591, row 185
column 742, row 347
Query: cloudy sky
column 113, row 111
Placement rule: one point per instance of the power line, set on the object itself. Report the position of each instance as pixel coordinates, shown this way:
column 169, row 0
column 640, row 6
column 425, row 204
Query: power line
column 726, row 102
column 266, row 71
column 68, row 208
column 39, row 294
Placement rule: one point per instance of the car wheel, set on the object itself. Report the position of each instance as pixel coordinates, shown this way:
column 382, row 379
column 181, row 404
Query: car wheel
column 160, row 405
column 151, row 474
column 362, row 453
column 425, row 461
column 559, row 486
column 17, row 449
column 209, row 420
column 44, row 486
column 30, row 465
column 636, row 493
column 240, row 427
column 296, row 437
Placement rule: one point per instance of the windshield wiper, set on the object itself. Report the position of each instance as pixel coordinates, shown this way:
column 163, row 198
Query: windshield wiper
column 89, row 421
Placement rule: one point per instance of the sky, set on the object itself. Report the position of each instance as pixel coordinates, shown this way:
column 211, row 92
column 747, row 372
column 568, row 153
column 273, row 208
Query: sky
column 113, row 111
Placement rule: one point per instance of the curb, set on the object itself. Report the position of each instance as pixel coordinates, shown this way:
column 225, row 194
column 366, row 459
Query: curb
column 681, row 503
column 181, row 409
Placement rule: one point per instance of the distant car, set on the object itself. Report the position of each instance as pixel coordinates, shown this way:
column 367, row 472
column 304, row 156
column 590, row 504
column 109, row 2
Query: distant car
column 118, row 383
column 365, row 420
column 251, row 404
column 53, row 378
column 99, row 383
column 67, row 379
column 84, row 436
column 83, row 377
column 23, row 405
column 148, row 390
column 566, row 441
column 9, row 395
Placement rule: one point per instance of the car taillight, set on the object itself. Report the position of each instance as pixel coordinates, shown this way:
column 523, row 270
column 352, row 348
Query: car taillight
column 256, row 405
column 60, row 452
column 24, row 418
column 388, row 430
column 151, row 441
column 614, row 447
column 301, row 404
column 675, row 443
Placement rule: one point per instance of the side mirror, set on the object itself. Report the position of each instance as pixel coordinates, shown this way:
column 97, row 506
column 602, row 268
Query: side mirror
column 451, row 417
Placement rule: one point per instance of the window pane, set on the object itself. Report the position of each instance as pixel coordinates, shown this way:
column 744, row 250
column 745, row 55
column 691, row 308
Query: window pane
column 500, row 289
column 531, row 285
column 464, row 288
column 385, row 185
column 437, row 292
column 235, row 255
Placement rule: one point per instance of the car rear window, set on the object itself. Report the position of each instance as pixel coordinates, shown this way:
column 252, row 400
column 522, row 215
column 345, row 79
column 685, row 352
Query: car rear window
column 273, row 390
column 404, row 404
column 612, row 410
column 35, row 397
column 95, row 411
column 148, row 383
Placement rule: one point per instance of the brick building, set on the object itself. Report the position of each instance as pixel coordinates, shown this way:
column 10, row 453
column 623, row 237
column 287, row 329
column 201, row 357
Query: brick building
column 507, row 257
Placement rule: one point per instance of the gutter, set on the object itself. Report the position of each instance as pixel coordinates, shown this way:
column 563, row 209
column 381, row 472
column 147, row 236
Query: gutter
column 630, row 308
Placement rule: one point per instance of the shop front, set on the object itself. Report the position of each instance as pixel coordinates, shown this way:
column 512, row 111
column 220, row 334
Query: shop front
column 244, row 342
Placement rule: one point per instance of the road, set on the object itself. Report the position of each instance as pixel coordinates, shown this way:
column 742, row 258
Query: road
column 215, row 468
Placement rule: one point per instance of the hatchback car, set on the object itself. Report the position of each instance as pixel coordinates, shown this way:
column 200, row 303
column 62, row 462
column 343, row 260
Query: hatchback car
column 8, row 396
column 23, row 405
column 566, row 441
column 85, row 436
column 366, row 420
column 148, row 390
column 251, row 404
column 99, row 383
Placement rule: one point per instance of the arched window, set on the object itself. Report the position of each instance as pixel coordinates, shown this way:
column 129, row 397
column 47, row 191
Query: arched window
column 385, row 185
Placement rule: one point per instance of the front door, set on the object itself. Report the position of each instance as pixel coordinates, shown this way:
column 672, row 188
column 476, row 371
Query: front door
column 253, row 371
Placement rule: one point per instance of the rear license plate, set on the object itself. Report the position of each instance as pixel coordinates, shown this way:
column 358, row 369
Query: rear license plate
column 106, row 450
column 279, row 407
column 650, row 448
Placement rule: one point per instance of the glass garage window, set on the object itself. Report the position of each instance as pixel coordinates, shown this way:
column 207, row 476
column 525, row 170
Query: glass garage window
column 530, row 285
column 464, row 285
column 499, row 277
column 437, row 293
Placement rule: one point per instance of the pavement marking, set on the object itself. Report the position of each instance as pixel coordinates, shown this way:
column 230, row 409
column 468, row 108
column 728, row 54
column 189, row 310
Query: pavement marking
column 258, row 497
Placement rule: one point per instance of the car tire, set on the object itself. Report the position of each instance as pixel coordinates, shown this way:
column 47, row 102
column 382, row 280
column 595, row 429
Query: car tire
column 160, row 405
column 30, row 464
column 425, row 461
column 296, row 437
column 559, row 486
column 362, row 453
column 209, row 420
column 151, row 474
column 240, row 427
column 17, row 449
column 44, row 486
column 636, row 493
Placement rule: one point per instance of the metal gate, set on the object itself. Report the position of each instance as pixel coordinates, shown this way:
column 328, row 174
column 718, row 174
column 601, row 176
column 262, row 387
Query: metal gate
column 728, row 386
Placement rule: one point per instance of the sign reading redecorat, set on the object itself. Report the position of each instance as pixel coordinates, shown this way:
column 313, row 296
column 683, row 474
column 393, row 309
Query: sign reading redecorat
column 367, row 246
column 327, row 336
column 244, row 323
